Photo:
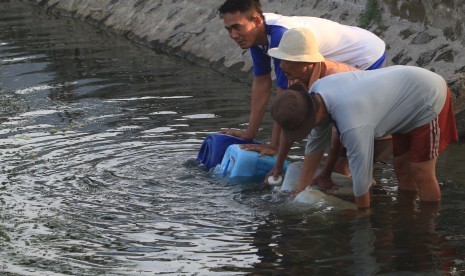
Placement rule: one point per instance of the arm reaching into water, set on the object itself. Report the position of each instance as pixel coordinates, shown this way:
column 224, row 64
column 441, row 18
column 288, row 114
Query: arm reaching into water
column 261, row 90
column 311, row 163
column 284, row 148
column 323, row 179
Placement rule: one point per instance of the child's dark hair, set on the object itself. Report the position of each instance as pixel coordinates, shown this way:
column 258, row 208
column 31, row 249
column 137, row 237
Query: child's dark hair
column 247, row 7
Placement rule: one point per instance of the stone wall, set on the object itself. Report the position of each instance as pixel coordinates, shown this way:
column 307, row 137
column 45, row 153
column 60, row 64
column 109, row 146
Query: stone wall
column 428, row 33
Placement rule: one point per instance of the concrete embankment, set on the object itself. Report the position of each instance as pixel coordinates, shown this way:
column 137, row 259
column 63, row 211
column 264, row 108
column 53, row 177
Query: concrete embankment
column 429, row 35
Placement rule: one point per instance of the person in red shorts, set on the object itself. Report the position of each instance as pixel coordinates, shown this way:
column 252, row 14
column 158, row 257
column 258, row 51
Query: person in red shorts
column 422, row 146
column 411, row 103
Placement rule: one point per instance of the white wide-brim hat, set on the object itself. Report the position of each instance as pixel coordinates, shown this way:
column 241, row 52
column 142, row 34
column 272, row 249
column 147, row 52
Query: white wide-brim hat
column 297, row 44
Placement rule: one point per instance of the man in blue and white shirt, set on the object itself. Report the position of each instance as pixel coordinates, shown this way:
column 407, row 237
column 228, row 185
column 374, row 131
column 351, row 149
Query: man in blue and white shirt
column 257, row 31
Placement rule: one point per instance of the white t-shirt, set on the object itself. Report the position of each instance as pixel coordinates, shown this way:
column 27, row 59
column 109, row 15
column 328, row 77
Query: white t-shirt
column 347, row 44
column 365, row 105
column 342, row 43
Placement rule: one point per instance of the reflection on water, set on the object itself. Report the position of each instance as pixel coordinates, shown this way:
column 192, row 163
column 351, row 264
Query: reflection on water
column 97, row 176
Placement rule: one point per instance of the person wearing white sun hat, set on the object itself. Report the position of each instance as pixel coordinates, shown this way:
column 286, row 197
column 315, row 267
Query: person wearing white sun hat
column 301, row 60
column 252, row 29
column 302, row 63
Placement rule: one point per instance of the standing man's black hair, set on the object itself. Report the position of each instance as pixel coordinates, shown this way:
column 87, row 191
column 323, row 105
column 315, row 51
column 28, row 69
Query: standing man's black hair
column 247, row 7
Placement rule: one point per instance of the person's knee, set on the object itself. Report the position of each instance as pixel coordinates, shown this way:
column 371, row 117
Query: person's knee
column 423, row 171
column 424, row 174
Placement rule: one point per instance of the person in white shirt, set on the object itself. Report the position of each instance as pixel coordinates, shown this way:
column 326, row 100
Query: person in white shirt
column 411, row 103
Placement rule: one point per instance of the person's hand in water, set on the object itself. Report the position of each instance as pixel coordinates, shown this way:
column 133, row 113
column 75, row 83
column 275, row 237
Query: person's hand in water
column 324, row 182
column 262, row 149
column 297, row 191
column 275, row 173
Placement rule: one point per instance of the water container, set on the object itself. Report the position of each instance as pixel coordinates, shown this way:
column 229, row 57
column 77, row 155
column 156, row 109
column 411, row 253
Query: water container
column 242, row 164
column 292, row 177
column 214, row 146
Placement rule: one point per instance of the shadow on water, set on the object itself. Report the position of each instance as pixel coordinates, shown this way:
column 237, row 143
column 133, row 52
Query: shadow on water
column 98, row 138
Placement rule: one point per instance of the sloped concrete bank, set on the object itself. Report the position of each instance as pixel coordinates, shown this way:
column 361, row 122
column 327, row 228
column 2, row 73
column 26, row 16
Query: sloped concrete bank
column 430, row 35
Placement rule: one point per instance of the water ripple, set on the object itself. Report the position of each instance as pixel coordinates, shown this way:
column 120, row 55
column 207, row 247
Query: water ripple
column 98, row 139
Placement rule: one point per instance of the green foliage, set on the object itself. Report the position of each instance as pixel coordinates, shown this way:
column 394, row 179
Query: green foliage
column 372, row 13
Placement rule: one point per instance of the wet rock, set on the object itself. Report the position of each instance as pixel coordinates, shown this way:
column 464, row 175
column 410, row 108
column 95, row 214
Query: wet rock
column 179, row 26
column 406, row 33
column 397, row 58
column 422, row 38
column 333, row 6
column 457, row 87
column 344, row 15
column 426, row 57
column 138, row 3
column 449, row 33
column 447, row 56
column 298, row 4
column 461, row 70
column 413, row 10
column 406, row 61
column 173, row 12
column 460, row 121
column 326, row 16
column 213, row 15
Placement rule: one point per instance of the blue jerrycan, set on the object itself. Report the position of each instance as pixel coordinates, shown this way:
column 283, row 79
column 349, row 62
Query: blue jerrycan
column 242, row 164
column 214, row 146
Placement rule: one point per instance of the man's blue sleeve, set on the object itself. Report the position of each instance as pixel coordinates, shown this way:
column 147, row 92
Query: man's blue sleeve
column 276, row 34
column 261, row 61
column 281, row 79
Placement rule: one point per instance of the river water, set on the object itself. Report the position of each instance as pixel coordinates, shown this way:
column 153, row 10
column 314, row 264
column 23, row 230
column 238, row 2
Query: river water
column 98, row 139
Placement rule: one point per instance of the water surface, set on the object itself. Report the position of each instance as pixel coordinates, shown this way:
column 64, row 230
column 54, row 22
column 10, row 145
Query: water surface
column 98, row 139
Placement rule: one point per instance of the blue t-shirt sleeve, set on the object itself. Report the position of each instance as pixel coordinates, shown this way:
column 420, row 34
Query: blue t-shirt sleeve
column 281, row 79
column 276, row 33
column 262, row 62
